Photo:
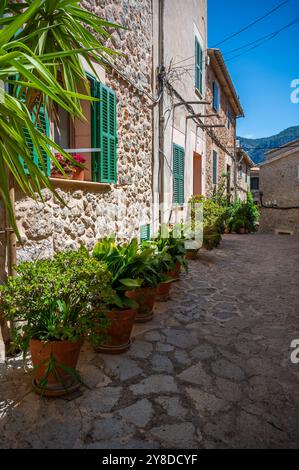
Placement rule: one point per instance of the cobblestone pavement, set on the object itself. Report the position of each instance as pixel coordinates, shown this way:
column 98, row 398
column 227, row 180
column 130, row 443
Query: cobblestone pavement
column 212, row 370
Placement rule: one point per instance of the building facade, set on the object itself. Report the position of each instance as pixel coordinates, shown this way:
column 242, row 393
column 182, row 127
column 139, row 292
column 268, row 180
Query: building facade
column 116, row 141
column 244, row 166
column 179, row 73
column 164, row 130
column 279, row 188
column 223, row 110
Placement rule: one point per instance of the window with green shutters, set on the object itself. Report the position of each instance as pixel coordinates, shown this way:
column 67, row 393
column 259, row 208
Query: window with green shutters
column 43, row 125
column 215, row 167
column 104, row 134
column 145, row 232
column 198, row 66
column 178, row 174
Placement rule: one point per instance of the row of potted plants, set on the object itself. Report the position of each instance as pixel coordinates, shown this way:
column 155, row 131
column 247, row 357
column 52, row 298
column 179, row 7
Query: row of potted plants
column 56, row 304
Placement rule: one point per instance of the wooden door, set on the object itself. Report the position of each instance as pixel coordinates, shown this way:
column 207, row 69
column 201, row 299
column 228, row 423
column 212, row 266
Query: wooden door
column 197, row 174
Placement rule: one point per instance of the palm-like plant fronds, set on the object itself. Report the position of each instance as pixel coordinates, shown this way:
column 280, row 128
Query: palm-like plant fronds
column 41, row 45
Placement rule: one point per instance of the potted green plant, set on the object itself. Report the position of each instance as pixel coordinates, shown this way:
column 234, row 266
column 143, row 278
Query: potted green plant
column 144, row 268
column 120, row 260
column 171, row 238
column 54, row 305
column 165, row 266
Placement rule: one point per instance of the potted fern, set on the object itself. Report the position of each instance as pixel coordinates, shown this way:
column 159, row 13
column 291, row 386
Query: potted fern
column 55, row 304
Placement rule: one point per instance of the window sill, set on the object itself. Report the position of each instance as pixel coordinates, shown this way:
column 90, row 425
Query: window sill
column 76, row 184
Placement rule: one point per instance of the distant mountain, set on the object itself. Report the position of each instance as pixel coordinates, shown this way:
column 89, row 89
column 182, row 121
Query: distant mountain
column 257, row 148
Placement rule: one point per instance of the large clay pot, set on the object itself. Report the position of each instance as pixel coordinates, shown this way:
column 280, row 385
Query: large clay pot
column 242, row 231
column 175, row 274
column 145, row 297
column 119, row 332
column 65, row 353
column 163, row 291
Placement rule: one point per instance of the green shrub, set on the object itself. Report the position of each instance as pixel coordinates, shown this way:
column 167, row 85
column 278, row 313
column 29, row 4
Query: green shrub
column 59, row 299
column 214, row 218
column 243, row 215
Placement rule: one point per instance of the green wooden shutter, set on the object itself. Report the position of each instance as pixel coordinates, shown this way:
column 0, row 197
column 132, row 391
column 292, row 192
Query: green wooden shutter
column 215, row 165
column 178, row 174
column 95, row 131
column 198, row 66
column 108, row 137
column 104, row 133
column 145, row 232
column 42, row 124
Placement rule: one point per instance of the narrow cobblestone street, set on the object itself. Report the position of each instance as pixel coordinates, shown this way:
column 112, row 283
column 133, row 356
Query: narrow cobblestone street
column 212, row 370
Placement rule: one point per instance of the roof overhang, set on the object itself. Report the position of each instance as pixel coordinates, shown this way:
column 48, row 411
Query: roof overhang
column 224, row 78
column 245, row 157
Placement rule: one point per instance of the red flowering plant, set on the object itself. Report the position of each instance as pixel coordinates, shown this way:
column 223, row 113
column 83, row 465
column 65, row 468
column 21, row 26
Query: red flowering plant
column 69, row 167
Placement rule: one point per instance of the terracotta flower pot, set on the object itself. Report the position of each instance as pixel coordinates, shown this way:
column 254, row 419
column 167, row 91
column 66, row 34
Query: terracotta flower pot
column 242, row 231
column 145, row 297
column 191, row 254
column 79, row 174
column 119, row 332
column 163, row 292
column 176, row 272
column 65, row 353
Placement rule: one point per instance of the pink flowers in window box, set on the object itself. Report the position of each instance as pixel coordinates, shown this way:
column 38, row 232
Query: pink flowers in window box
column 72, row 171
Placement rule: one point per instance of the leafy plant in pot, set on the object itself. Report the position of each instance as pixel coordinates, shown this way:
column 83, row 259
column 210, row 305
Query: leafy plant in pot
column 119, row 260
column 134, row 269
column 164, row 265
column 55, row 304
column 171, row 239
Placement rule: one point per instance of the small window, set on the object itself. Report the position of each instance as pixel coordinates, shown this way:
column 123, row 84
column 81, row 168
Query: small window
column 228, row 119
column 215, row 96
column 255, row 184
column 240, row 170
column 198, row 66
column 215, row 167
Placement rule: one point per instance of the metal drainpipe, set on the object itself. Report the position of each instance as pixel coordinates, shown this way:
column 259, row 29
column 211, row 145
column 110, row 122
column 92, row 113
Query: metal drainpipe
column 161, row 107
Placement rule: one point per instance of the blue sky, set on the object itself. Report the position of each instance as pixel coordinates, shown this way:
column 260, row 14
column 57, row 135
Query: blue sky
column 262, row 76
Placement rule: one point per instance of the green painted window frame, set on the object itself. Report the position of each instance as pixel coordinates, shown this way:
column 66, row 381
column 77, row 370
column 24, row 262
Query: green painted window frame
column 198, row 66
column 145, row 233
column 215, row 167
column 103, row 133
column 178, row 174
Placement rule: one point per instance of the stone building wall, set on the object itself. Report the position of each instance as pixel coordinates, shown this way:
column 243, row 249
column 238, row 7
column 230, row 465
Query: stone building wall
column 223, row 134
column 93, row 212
column 279, row 183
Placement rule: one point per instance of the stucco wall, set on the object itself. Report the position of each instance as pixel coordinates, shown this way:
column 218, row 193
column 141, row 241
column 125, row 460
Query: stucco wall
column 183, row 21
column 91, row 213
column 279, row 183
column 223, row 134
